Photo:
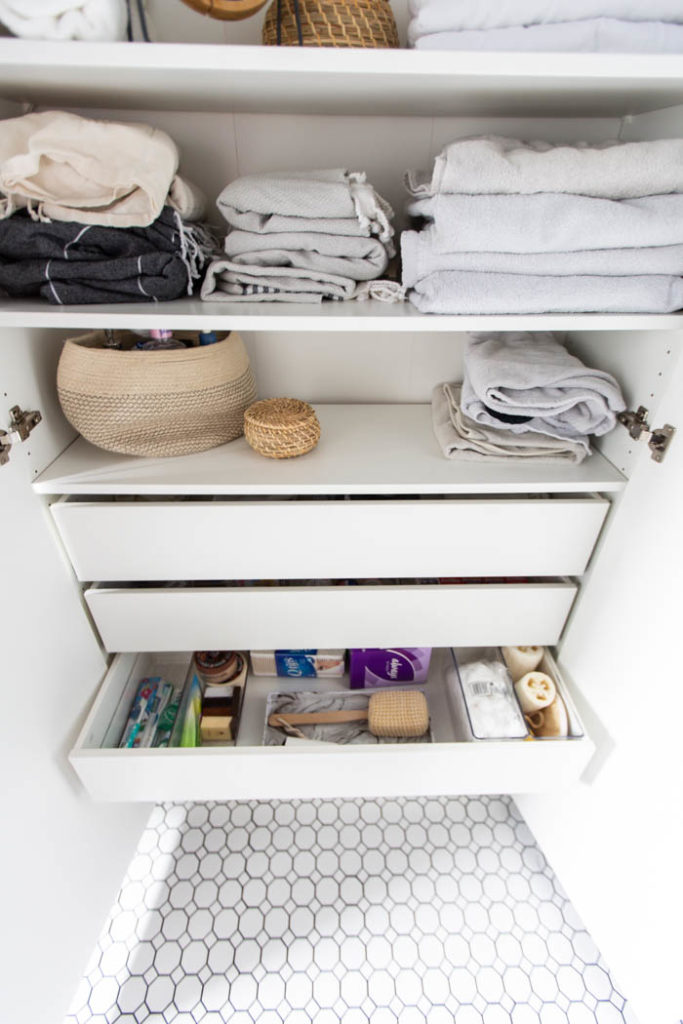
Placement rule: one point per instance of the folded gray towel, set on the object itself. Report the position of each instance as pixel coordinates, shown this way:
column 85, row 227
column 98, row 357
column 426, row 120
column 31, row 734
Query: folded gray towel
column 550, row 222
column 496, row 165
column 420, row 258
column 346, row 255
column 235, row 282
column 456, row 293
column 594, row 35
column 533, row 375
column 461, row 438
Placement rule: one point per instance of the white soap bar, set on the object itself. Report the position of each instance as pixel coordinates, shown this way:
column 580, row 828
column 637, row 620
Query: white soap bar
column 535, row 691
column 521, row 660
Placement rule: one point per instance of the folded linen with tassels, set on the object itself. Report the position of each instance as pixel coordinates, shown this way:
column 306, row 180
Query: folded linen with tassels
column 594, row 35
column 65, row 19
column 68, row 168
column 72, row 263
column 461, row 438
column 238, row 282
column 353, row 256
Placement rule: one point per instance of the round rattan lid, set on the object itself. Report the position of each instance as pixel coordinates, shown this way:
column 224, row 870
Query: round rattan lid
column 280, row 413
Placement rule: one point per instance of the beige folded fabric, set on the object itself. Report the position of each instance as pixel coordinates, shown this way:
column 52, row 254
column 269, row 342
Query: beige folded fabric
column 70, row 168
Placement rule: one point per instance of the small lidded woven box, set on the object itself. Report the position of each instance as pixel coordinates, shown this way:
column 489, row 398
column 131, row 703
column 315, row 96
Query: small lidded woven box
column 281, row 428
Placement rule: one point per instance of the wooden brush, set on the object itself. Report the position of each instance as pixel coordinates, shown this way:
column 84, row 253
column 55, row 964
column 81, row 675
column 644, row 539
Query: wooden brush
column 389, row 713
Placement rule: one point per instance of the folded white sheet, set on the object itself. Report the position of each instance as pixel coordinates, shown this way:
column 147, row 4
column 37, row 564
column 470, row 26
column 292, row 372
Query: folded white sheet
column 533, row 375
column 550, row 222
column 478, row 293
column 461, row 438
column 594, row 35
column 420, row 258
column 354, row 256
column 65, row 19
column 612, row 170
column 451, row 15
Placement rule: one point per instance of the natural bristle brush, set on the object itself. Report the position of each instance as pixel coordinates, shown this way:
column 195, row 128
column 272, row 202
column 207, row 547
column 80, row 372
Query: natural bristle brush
column 389, row 714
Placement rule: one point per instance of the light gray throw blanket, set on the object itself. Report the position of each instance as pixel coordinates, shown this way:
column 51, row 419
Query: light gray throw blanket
column 497, row 165
column 550, row 223
column 461, row 438
column 594, row 35
column 353, row 256
column 533, row 375
column 236, row 282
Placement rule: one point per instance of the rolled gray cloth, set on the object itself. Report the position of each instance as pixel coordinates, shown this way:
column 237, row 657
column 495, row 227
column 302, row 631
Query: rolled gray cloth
column 347, row 732
column 351, row 256
column 533, row 376
column 461, row 438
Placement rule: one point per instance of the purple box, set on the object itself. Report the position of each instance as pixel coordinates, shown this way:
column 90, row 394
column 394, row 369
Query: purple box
column 387, row 666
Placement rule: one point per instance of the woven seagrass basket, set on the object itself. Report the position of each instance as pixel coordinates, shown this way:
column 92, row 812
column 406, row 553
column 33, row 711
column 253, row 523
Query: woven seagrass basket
column 167, row 402
column 368, row 24
column 281, row 428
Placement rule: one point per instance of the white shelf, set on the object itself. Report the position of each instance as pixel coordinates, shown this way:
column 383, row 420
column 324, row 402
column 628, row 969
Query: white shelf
column 193, row 314
column 364, row 449
column 292, row 80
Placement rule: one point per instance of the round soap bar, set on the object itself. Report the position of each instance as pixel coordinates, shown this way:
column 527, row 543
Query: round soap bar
column 521, row 660
column 535, row 691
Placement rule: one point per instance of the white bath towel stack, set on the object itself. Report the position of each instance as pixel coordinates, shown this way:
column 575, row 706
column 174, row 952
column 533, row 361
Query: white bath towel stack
column 518, row 227
column 599, row 26
column 65, row 19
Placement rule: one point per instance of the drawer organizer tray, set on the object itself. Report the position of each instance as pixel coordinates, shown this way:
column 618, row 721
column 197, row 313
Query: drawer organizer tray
column 448, row 765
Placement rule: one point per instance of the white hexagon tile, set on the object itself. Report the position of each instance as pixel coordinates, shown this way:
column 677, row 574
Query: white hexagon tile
column 344, row 912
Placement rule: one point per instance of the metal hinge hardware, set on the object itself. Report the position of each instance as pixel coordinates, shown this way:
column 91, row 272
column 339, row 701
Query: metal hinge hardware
column 637, row 425
column 21, row 425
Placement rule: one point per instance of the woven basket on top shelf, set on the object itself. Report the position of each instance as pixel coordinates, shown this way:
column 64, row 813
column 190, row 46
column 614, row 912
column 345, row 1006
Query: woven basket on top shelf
column 281, row 427
column 158, row 403
column 368, row 24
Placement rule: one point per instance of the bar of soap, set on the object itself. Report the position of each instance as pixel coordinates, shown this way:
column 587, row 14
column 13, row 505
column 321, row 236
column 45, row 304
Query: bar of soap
column 521, row 660
column 216, row 729
column 535, row 691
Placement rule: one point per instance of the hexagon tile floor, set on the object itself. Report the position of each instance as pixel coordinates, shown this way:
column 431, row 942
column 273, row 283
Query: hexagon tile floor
column 344, row 912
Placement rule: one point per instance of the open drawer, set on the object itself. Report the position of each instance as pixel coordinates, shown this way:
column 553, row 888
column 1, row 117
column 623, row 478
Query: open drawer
column 333, row 537
column 182, row 618
column 451, row 764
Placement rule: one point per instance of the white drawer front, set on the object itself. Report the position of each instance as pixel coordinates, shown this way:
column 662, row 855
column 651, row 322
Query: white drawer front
column 199, row 540
column 199, row 618
column 250, row 771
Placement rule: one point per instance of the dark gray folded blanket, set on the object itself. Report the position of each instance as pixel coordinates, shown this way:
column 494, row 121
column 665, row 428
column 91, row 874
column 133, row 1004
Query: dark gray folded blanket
column 65, row 262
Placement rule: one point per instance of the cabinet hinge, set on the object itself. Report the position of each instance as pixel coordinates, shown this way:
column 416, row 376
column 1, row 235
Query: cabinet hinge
column 21, row 425
column 659, row 439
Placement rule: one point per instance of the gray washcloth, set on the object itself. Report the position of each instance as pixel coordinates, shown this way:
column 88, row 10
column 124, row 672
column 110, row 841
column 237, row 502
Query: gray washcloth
column 313, row 197
column 594, row 35
column 460, row 293
column 533, row 375
column 612, row 170
column 420, row 258
column 550, row 222
column 346, row 255
column 461, row 438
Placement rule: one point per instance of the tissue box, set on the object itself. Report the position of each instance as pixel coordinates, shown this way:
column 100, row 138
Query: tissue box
column 381, row 666
column 298, row 664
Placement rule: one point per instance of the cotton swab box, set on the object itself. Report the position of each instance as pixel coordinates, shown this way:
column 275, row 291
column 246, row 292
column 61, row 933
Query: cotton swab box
column 391, row 713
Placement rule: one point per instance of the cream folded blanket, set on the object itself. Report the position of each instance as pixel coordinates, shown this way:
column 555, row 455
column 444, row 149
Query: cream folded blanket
column 235, row 282
column 65, row 19
column 448, row 15
column 461, row 438
column 69, row 168
column 347, row 255
column 595, row 35
column 550, row 222
column 494, row 164
column 518, row 374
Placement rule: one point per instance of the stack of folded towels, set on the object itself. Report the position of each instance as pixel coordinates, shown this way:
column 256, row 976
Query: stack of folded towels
column 303, row 237
column 518, row 227
column 94, row 211
column 523, row 396
column 607, row 26
column 65, row 19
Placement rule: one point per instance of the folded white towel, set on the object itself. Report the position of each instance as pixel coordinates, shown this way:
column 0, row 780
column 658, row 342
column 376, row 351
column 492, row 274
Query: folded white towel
column 347, row 255
column 311, row 197
column 420, row 258
column 550, row 222
column 65, row 19
column 459, row 293
column 612, row 170
column 235, row 282
column 533, row 375
column 448, row 15
column 594, row 35
column 461, row 438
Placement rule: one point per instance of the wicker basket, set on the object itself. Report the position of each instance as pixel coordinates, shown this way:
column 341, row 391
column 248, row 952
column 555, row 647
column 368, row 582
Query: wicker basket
column 362, row 23
column 281, row 427
column 167, row 402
